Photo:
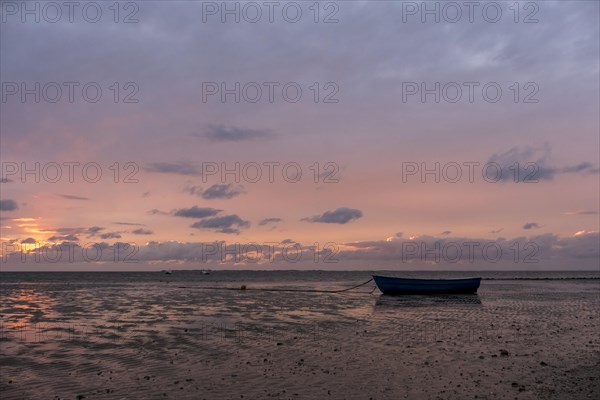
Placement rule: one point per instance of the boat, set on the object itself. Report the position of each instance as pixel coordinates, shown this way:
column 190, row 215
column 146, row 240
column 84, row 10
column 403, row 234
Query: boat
column 398, row 286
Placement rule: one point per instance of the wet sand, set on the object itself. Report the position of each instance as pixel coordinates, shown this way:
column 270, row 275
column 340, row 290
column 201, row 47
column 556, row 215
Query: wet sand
column 155, row 340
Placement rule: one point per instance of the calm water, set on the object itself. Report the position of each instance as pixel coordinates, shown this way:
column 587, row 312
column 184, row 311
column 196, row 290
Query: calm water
column 280, row 277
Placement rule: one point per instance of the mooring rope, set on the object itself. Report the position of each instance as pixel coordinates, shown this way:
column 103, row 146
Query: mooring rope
column 243, row 287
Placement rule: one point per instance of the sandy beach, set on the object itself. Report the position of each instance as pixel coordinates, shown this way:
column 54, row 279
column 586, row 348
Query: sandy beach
column 516, row 339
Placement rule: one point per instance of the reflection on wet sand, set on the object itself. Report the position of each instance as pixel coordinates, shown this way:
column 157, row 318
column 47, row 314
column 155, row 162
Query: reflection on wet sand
column 385, row 301
column 25, row 307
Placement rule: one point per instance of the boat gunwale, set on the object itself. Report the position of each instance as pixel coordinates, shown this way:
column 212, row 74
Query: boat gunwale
column 427, row 280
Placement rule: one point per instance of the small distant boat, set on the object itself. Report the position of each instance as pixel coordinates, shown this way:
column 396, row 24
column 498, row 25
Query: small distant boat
column 205, row 272
column 168, row 272
column 396, row 286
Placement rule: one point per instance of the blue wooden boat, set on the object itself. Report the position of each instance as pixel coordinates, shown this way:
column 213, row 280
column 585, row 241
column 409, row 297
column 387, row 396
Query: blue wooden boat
column 395, row 286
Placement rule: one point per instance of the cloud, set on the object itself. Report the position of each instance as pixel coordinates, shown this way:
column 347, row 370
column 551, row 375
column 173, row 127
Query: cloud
column 464, row 51
column 66, row 231
column 583, row 167
column 196, row 212
column 224, row 224
column 111, row 235
column 530, row 164
column 94, row 230
column 496, row 230
column 65, row 238
column 217, row 191
column 128, row 223
column 28, row 241
column 72, row 197
column 8, row 205
column 220, row 133
column 268, row 221
column 156, row 211
column 342, row 215
column 445, row 233
column 142, row 231
column 542, row 251
column 179, row 168
column 582, row 212
column 531, row 225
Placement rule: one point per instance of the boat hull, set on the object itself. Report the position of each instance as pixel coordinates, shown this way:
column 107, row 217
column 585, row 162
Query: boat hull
column 399, row 286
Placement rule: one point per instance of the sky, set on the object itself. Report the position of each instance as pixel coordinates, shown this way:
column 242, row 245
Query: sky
column 299, row 135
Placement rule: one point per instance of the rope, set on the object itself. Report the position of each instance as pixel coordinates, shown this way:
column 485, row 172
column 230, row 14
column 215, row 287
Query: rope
column 277, row 290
